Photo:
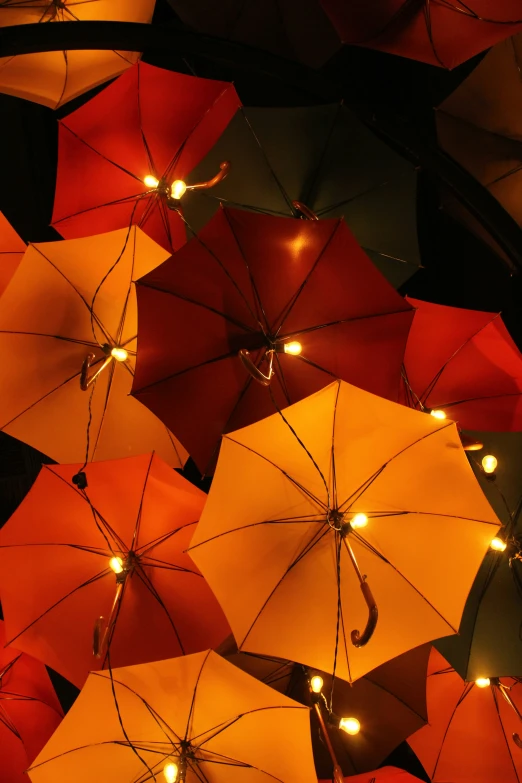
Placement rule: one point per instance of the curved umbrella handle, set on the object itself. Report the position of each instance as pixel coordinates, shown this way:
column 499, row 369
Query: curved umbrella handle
column 254, row 371
column 97, row 637
column 360, row 639
column 517, row 740
column 85, row 379
column 224, row 168
column 100, row 640
column 304, row 210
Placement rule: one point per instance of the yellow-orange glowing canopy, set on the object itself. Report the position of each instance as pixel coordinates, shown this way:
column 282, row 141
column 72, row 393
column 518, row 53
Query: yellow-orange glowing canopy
column 49, row 324
column 278, row 566
column 12, row 248
column 235, row 728
column 53, row 78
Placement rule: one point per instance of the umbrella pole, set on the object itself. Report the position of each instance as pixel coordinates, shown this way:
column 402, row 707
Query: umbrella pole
column 360, row 639
column 504, row 690
column 337, row 771
column 85, row 379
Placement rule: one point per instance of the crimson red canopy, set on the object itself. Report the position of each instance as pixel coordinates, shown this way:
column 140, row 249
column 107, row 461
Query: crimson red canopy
column 440, row 32
column 149, row 121
column 256, row 282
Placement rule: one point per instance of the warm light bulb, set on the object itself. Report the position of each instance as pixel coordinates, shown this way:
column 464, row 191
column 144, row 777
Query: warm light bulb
column 498, row 545
column 294, row 348
column 359, row 520
column 170, row 771
column 116, row 563
column 489, row 463
column 177, row 189
column 350, row 725
column 150, row 181
column 482, row 682
column 120, row 354
column 438, row 414
column 316, row 684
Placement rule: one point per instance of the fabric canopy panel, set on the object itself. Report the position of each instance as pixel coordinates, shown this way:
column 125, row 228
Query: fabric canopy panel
column 53, row 78
column 439, row 33
column 12, row 249
column 282, row 530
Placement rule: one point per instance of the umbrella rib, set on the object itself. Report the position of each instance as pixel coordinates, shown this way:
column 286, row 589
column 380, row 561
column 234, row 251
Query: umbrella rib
column 280, row 376
column 114, row 203
column 183, row 372
column 226, row 724
column 142, row 550
column 494, row 695
column 142, row 132
column 121, row 325
column 231, row 762
column 122, row 168
column 65, row 78
column 140, row 507
column 141, row 574
column 250, row 207
column 307, row 197
column 342, row 321
column 394, row 695
column 383, row 184
column 193, row 700
column 485, row 397
column 110, row 378
column 429, row 30
column 40, row 399
column 284, row 521
column 334, row 421
column 73, row 340
column 467, row 689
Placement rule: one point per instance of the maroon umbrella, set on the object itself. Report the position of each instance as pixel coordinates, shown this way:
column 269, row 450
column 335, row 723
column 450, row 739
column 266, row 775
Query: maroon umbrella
column 254, row 314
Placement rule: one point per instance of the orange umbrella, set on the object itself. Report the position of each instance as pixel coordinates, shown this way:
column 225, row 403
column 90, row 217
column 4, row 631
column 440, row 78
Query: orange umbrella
column 53, row 78
column 197, row 718
column 29, row 711
column 309, row 501
column 72, row 305
column 67, row 555
column 12, row 248
column 472, row 735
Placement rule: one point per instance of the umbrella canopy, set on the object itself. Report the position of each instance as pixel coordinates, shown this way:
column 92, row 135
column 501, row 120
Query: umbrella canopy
column 53, row 78
column 389, row 703
column 383, row 775
column 252, row 284
column 322, row 157
column 439, row 33
column 29, row 711
column 58, row 574
column 129, row 144
column 298, row 30
column 12, row 248
column 198, row 712
column 469, row 735
column 341, row 485
column 464, row 363
column 480, row 124
column 70, row 305
column 489, row 643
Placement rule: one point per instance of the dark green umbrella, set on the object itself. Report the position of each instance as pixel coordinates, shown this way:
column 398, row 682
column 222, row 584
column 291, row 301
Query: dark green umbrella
column 489, row 643
column 326, row 159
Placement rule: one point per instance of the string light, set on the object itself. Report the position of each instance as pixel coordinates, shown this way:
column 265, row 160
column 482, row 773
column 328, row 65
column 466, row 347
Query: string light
column 294, row 348
column 438, row 414
column 350, row 725
column 359, row 520
column 120, row 354
column 150, row 181
column 178, row 189
column 498, row 545
column 170, row 771
column 316, row 684
column 489, row 463
column 482, row 682
column 116, row 563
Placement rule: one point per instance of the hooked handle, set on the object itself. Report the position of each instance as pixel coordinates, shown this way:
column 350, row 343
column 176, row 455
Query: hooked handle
column 360, row 639
column 97, row 644
column 254, row 371
column 304, row 210
column 224, row 168
column 517, row 740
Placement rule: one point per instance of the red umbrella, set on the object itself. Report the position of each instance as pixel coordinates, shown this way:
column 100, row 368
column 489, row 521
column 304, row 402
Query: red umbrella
column 464, row 363
column 120, row 153
column 383, row 775
column 223, row 322
column 29, row 711
column 440, row 32
column 12, row 248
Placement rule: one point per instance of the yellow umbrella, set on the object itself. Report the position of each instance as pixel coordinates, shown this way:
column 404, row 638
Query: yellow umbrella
column 68, row 327
column 309, row 501
column 53, row 78
column 196, row 718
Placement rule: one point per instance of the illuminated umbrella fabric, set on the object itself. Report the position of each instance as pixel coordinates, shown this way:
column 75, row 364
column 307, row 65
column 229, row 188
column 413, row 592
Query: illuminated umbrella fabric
column 389, row 703
column 150, row 123
column 445, row 33
column 66, row 301
column 53, row 78
column 57, row 579
column 293, row 30
column 227, row 725
column 325, row 158
column 383, row 775
column 255, row 283
column 29, row 711
column 276, row 540
column 489, row 642
column 12, row 248
column 469, row 735
column 465, row 363
column 480, row 124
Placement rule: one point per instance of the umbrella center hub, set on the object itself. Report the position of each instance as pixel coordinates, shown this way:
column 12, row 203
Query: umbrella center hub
column 127, row 567
column 336, row 520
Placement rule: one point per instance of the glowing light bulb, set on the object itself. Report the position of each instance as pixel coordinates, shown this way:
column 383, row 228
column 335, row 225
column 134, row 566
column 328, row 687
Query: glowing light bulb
column 498, row 545
column 489, row 463
column 178, row 189
column 316, row 684
column 350, row 725
column 438, row 414
column 150, row 181
column 170, row 772
column 482, row 682
column 294, row 348
column 359, row 520
column 120, row 354
column 116, row 563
